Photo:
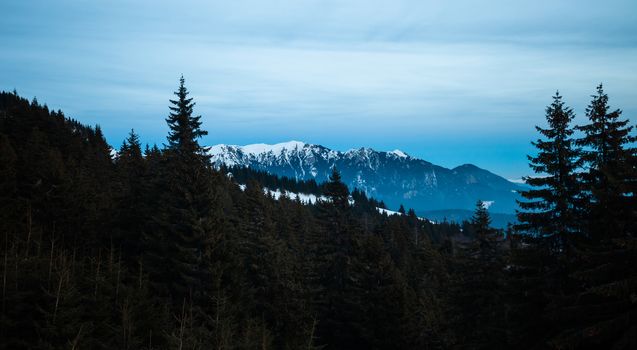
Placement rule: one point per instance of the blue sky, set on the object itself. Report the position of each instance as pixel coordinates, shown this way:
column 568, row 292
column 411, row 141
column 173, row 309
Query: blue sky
column 452, row 82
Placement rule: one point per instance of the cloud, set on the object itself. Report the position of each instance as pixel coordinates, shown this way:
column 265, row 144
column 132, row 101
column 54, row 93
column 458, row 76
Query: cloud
column 414, row 75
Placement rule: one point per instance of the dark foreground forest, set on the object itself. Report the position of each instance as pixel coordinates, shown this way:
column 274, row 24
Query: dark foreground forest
column 154, row 248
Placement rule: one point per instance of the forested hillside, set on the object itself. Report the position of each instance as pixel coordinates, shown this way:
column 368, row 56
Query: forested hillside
column 155, row 249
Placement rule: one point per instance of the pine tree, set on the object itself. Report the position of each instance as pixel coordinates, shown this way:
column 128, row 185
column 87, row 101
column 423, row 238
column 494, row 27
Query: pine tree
column 477, row 287
column 481, row 221
column 607, row 154
column 185, row 129
column 333, row 262
column 179, row 245
column 131, row 148
column 554, row 202
column 133, row 207
column 337, row 191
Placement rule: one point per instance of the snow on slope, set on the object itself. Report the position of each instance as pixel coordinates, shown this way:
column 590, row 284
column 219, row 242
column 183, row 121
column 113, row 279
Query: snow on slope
column 399, row 153
column 391, row 212
column 517, row 181
column 302, row 197
column 311, row 199
column 388, row 212
column 276, row 194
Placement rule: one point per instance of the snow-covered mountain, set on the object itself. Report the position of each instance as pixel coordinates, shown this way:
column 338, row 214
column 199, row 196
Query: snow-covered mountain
column 394, row 177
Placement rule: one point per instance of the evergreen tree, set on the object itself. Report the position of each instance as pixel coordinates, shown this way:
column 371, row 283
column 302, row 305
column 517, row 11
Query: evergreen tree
column 179, row 244
column 131, row 149
column 607, row 153
column 554, row 204
column 481, row 221
column 333, row 245
column 133, row 207
column 185, row 129
column 337, row 191
column 477, row 299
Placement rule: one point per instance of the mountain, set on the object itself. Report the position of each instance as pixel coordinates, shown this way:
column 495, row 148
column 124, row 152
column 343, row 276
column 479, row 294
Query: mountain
column 394, row 177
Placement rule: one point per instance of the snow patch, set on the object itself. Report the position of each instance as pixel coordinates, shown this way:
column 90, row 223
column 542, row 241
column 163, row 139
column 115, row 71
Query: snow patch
column 302, row 197
column 276, row 194
column 388, row 212
column 398, row 153
column 391, row 212
column 487, row 204
column 517, row 181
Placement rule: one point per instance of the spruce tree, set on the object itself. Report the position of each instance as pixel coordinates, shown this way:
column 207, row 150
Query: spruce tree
column 607, row 153
column 477, row 287
column 133, row 208
column 185, row 129
column 481, row 221
column 554, row 202
column 179, row 245
column 332, row 260
column 337, row 191
column 131, row 148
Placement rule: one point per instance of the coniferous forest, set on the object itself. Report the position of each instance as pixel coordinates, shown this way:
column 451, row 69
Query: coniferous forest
column 152, row 247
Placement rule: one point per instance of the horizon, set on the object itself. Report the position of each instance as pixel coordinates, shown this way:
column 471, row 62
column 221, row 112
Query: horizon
column 450, row 83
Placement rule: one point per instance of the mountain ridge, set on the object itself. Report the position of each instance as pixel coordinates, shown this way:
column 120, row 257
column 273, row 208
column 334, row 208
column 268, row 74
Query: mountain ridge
column 392, row 176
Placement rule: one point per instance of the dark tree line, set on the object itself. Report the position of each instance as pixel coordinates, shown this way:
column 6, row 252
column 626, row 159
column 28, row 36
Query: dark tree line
column 153, row 248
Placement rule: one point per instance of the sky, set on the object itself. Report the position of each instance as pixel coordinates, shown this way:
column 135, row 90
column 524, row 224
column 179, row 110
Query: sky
column 452, row 82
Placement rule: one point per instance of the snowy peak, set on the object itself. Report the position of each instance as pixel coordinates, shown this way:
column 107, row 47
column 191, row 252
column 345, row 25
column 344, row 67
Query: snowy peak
column 239, row 155
column 276, row 149
column 258, row 148
column 232, row 155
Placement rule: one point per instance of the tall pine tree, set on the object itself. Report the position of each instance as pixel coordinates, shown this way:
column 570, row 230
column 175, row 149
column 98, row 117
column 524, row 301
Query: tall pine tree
column 179, row 245
column 554, row 202
column 607, row 154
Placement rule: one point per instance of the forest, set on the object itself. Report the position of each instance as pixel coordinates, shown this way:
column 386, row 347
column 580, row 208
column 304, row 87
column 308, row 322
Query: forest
column 152, row 247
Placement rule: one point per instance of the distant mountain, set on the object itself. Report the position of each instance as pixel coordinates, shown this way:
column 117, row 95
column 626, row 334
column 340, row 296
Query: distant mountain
column 394, row 177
